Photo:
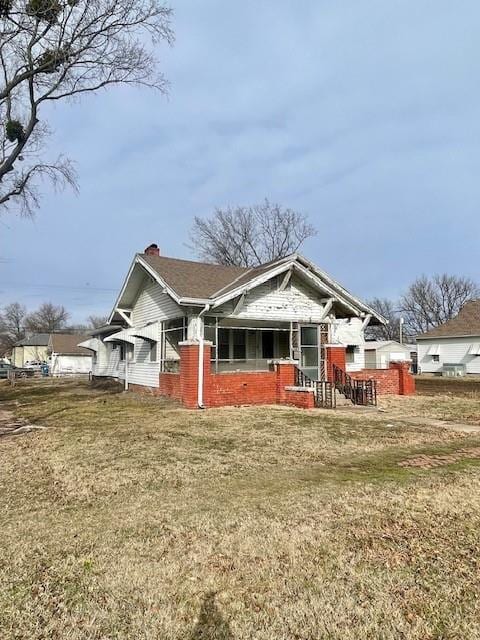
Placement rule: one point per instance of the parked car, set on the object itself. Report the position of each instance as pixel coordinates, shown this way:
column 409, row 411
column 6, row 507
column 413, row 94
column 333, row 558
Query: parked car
column 5, row 367
column 36, row 365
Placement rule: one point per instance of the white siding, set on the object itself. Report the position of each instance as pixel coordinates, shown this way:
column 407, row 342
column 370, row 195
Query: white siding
column 452, row 351
column 153, row 304
column 348, row 331
column 64, row 365
column 358, row 360
column 298, row 303
column 108, row 360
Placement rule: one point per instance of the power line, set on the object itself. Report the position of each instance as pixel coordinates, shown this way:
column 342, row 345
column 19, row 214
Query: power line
column 57, row 286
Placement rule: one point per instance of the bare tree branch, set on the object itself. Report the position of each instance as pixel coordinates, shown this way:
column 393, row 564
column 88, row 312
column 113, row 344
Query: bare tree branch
column 430, row 302
column 249, row 236
column 51, row 50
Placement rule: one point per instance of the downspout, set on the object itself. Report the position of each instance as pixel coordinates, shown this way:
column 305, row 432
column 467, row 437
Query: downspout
column 201, row 352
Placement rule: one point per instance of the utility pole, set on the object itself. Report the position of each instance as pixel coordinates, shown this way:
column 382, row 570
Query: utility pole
column 400, row 329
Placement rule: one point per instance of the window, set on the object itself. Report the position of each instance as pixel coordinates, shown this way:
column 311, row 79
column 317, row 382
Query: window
column 126, row 351
column 436, row 358
column 153, row 351
column 232, row 344
column 223, row 344
column 350, row 354
column 267, row 344
column 239, row 345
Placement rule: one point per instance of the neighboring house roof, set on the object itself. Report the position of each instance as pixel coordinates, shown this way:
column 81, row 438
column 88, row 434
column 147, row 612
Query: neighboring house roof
column 466, row 323
column 67, row 344
column 36, row 340
column 199, row 283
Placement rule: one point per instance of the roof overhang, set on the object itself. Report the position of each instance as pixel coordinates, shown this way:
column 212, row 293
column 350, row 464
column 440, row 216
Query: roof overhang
column 317, row 278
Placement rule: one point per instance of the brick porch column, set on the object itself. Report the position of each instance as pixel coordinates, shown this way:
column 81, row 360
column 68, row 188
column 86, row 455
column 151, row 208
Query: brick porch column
column 189, row 354
column 406, row 382
column 285, row 378
column 335, row 355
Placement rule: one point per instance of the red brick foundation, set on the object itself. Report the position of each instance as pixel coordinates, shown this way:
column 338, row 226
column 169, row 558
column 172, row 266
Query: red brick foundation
column 229, row 389
column 301, row 399
column 170, row 385
column 397, row 380
column 335, row 356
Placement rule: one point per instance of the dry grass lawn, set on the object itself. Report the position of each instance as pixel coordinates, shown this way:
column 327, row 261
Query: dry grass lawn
column 131, row 518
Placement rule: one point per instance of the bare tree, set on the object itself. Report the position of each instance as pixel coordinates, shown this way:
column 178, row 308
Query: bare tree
column 430, row 302
column 52, row 50
column 12, row 321
column 12, row 325
column 389, row 310
column 249, row 236
column 95, row 322
column 47, row 318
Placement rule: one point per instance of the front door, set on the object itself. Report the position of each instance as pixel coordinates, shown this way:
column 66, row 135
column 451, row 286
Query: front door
column 310, row 351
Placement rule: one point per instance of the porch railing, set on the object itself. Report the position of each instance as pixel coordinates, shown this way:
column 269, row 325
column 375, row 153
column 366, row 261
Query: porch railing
column 360, row 392
column 324, row 391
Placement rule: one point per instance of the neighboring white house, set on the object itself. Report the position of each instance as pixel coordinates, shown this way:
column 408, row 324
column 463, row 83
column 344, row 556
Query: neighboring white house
column 287, row 309
column 66, row 357
column 379, row 353
column 453, row 348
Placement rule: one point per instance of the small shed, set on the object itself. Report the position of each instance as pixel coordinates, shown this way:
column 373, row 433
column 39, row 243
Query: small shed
column 66, row 357
column 379, row 353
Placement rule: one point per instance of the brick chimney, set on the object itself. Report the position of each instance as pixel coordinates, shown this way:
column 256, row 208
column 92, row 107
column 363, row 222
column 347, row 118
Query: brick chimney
column 152, row 250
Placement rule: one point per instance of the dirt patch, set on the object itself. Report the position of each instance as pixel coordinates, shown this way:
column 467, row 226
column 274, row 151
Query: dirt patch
column 11, row 426
column 432, row 461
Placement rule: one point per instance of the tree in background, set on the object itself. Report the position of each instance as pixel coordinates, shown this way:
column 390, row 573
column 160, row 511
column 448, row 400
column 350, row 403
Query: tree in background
column 12, row 325
column 249, row 236
column 389, row 310
column 47, row 318
column 95, row 322
column 53, row 50
column 429, row 302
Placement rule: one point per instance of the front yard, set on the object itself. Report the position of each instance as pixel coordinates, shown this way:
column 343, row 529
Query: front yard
column 129, row 517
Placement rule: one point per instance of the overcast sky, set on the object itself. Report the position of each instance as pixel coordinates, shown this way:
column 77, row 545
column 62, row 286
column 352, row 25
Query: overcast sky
column 362, row 114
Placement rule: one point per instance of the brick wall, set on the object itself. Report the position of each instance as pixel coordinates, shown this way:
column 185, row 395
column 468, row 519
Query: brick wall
column 246, row 387
column 170, row 385
column 142, row 389
column 301, row 399
column 227, row 389
column 395, row 381
column 335, row 356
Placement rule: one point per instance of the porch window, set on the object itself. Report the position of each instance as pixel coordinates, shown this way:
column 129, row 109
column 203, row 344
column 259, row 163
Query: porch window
column 239, row 344
column 223, row 344
column 173, row 332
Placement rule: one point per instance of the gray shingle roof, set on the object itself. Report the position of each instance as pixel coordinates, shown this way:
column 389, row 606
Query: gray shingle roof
column 35, row 340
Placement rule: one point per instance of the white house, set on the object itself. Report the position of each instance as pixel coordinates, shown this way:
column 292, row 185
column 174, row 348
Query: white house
column 380, row 353
column 242, row 321
column 66, row 357
column 453, row 348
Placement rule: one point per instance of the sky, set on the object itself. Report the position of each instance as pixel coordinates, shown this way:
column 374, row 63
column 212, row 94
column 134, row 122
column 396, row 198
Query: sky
column 362, row 115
